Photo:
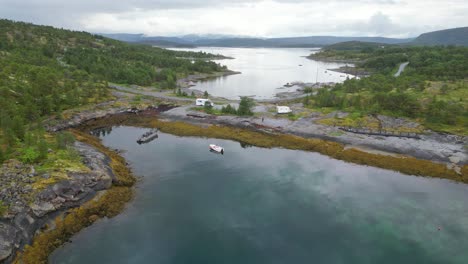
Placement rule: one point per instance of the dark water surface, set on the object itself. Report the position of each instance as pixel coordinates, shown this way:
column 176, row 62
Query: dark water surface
column 256, row 205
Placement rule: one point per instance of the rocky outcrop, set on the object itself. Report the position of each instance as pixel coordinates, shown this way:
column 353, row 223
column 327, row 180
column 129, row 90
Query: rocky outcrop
column 29, row 210
column 79, row 118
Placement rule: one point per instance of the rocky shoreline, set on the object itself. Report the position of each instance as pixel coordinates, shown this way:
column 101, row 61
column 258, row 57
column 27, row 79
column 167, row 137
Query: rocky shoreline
column 433, row 146
column 28, row 217
column 32, row 212
column 359, row 72
column 190, row 80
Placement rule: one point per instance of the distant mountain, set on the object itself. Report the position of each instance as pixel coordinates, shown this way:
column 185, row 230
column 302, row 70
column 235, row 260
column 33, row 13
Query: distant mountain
column 165, row 43
column 228, row 41
column 328, row 40
column 356, row 46
column 454, row 36
column 196, row 37
column 315, row 41
column 125, row 37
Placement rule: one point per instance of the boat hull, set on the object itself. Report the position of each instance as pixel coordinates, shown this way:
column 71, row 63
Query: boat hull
column 216, row 148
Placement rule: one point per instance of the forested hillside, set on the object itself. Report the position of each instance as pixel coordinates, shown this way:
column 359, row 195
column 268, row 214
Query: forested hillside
column 453, row 36
column 44, row 70
column 433, row 88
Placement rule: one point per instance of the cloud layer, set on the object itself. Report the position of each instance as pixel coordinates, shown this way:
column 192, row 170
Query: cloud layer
column 267, row 18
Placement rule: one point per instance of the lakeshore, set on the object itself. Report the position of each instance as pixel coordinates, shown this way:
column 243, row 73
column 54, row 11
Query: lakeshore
column 192, row 205
column 432, row 154
column 272, row 132
column 373, row 165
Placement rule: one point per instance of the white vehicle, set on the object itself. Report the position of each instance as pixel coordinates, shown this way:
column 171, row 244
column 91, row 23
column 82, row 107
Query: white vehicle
column 203, row 102
column 283, row 110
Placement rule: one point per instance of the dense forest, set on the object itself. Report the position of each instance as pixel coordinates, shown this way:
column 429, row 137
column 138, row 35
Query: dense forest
column 44, row 70
column 433, row 88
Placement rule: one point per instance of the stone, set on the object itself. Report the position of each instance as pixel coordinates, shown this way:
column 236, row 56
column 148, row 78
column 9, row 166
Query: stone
column 7, row 238
column 42, row 208
column 455, row 159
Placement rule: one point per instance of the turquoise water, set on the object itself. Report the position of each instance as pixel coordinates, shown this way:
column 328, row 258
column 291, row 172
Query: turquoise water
column 254, row 205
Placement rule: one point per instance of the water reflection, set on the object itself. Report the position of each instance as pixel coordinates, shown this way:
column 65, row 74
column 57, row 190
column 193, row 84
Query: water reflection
column 265, row 72
column 101, row 131
column 256, row 205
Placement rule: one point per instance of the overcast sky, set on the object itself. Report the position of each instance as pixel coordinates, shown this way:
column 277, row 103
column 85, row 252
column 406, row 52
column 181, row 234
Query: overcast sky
column 270, row 18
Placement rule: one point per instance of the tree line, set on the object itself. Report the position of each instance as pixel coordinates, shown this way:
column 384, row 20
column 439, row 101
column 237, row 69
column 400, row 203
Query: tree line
column 412, row 94
column 44, row 71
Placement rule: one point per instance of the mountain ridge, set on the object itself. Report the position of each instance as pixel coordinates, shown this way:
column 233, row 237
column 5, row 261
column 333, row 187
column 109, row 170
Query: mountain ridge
column 229, row 41
column 453, row 36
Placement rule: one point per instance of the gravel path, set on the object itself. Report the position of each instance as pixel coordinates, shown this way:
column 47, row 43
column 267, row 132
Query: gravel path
column 401, row 68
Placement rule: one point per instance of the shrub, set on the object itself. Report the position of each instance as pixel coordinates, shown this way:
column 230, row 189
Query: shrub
column 64, row 139
column 229, row 110
column 30, row 155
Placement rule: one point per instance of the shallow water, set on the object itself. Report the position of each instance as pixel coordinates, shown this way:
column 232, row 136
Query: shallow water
column 254, row 205
column 264, row 70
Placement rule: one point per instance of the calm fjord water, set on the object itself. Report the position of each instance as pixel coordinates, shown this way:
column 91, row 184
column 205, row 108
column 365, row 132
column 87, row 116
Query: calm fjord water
column 256, row 205
column 265, row 71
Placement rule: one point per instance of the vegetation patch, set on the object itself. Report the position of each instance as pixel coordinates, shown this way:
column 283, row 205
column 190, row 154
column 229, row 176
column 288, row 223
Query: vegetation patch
column 432, row 89
column 118, row 163
column 109, row 204
column 368, row 122
column 3, row 208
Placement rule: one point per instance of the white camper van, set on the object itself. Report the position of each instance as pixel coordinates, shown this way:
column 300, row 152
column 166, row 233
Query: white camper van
column 202, row 102
column 283, row 110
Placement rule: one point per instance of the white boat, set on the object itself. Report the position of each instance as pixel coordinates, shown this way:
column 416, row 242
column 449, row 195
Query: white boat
column 216, row 148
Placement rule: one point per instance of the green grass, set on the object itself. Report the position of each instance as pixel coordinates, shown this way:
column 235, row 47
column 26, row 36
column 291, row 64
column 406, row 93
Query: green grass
column 109, row 204
column 58, row 164
column 3, row 208
column 336, row 134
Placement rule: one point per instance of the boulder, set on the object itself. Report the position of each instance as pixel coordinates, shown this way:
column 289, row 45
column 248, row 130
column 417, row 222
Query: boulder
column 42, row 208
column 7, row 240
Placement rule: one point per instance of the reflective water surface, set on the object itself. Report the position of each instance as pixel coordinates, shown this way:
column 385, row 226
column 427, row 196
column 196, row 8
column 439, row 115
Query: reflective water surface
column 254, row 205
column 264, row 70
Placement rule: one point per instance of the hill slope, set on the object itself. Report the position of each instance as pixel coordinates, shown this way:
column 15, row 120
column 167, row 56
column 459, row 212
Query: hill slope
column 44, row 70
column 455, row 36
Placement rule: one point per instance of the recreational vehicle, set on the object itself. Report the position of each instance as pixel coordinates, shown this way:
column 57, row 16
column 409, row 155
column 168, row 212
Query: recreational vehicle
column 203, row 102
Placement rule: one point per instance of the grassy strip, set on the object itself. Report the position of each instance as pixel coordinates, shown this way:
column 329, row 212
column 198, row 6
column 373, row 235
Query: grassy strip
column 403, row 164
column 111, row 203
column 118, row 164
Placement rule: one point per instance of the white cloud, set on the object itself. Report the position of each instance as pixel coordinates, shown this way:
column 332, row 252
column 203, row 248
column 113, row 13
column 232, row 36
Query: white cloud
column 267, row 18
